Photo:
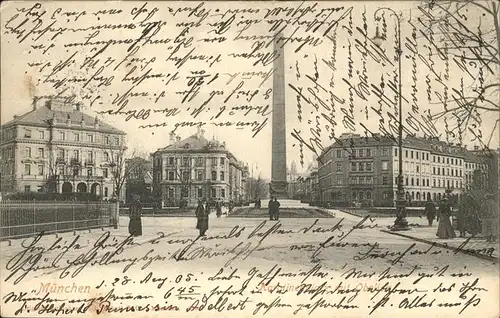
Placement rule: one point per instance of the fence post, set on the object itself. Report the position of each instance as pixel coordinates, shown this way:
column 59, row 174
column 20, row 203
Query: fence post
column 34, row 218
column 73, row 213
column 56, row 221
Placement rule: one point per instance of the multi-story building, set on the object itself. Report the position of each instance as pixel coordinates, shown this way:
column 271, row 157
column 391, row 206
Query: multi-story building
column 57, row 148
column 363, row 170
column 196, row 168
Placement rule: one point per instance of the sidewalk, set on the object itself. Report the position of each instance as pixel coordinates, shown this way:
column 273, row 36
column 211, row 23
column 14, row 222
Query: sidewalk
column 421, row 232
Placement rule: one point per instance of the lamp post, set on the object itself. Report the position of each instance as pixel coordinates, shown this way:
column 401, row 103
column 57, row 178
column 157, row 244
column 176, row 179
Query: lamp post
column 401, row 223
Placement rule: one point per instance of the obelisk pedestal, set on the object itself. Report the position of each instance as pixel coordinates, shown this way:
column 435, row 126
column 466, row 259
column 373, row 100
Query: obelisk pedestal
column 278, row 185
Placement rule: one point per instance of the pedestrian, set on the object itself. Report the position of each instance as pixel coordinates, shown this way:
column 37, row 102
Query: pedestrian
column 489, row 218
column 135, row 223
column 271, row 208
column 276, row 210
column 430, row 211
column 218, row 209
column 445, row 229
column 202, row 213
column 461, row 220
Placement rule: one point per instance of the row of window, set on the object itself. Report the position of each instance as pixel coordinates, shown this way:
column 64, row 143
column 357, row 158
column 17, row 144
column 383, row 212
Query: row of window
column 62, row 153
column 62, row 171
column 185, row 192
column 62, row 135
column 454, row 172
column 186, row 175
column 186, row 161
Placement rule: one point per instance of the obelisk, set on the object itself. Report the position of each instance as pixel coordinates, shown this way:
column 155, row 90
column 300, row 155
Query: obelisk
column 278, row 186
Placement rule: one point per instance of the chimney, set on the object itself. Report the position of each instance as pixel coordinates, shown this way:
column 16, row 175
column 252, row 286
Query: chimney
column 33, row 103
column 96, row 123
column 172, row 137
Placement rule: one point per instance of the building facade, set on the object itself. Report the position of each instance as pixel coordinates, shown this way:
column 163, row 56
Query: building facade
column 363, row 171
column 57, row 148
column 195, row 168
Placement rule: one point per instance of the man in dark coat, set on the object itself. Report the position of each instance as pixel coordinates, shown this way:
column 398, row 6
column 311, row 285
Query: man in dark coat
column 430, row 211
column 276, row 209
column 218, row 208
column 270, row 207
column 202, row 213
column 489, row 218
column 135, row 223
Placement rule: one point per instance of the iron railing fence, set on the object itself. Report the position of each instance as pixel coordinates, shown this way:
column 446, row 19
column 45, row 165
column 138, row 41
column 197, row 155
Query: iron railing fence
column 20, row 219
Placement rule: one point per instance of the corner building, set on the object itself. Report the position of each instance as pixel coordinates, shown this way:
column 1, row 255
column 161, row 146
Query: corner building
column 196, row 168
column 56, row 147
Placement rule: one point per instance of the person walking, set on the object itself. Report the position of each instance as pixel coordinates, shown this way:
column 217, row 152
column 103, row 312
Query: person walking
column 276, row 209
column 489, row 218
column 445, row 229
column 430, row 211
column 270, row 207
column 202, row 213
column 218, row 209
column 135, row 223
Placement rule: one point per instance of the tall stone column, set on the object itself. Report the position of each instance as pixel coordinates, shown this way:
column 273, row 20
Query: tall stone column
column 278, row 184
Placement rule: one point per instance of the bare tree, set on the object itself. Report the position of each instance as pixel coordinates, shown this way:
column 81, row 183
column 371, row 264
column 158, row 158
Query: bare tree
column 475, row 49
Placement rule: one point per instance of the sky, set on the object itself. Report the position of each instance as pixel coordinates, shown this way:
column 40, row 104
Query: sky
column 20, row 82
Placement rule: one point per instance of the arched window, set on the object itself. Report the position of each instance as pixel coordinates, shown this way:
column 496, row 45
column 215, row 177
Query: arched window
column 354, row 197
column 368, row 195
column 214, row 175
column 361, row 195
column 418, row 196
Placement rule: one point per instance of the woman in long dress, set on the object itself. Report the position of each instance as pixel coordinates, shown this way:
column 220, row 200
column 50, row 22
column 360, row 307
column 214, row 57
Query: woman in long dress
column 445, row 229
column 202, row 213
column 135, row 223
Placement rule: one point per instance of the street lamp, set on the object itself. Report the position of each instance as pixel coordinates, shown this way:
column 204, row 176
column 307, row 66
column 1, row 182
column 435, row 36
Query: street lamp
column 401, row 223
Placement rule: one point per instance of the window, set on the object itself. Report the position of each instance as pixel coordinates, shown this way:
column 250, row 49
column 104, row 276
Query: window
column 214, row 192
column 42, row 135
column 27, row 152
column 223, row 193
column 406, row 153
column 361, row 180
column 433, row 170
column 418, row 168
column 396, row 180
column 90, row 156
column 117, row 141
column 385, row 152
column 90, row 138
column 171, row 161
column 62, row 136
column 361, row 166
column 186, row 175
column 214, row 175
column 339, row 166
column 27, row 133
column 77, row 137
column 369, row 152
column 368, row 195
column 385, row 165
column 105, row 172
column 411, row 154
column 354, row 166
column 106, row 140
column 354, row 180
column 339, row 179
column 222, row 175
column 439, row 159
column 222, row 162
column 361, row 152
column 171, row 175
column 433, row 158
column 339, row 153
column 439, row 171
column 27, row 169
column 200, row 192
column 448, row 161
column 427, row 156
column 41, row 153
column 199, row 175
column 418, row 181
column 186, row 161
column 385, row 180
column 406, row 181
column 106, row 157
column 417, row 154
column 75, row 154
column 89, row 172
column 412, row 181
column 395, row 152
column 434, row 182
column 27, row 188
column 369, row 180
column 368, row 166
column 40, row 170
column 199, row 161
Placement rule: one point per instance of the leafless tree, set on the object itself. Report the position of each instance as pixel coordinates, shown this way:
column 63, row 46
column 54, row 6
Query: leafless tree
column 475, row 48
